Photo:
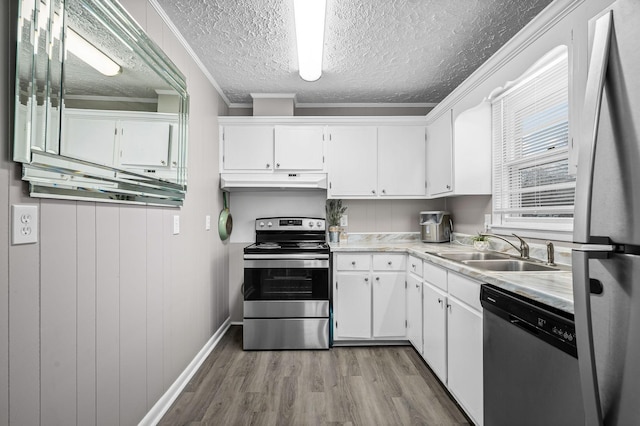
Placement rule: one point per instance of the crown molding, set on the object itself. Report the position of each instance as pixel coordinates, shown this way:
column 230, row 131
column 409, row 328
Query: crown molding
column 555, row 12
column 187, row 47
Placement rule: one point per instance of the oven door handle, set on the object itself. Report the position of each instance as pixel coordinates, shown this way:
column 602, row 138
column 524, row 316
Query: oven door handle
column 307, row 256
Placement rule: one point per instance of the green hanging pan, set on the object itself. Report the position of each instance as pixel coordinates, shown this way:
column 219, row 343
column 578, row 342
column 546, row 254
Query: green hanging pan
column 225, row 222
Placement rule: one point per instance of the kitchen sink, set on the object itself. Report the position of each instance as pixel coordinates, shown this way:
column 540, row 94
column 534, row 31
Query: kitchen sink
column 509, row 265
column 477, row 255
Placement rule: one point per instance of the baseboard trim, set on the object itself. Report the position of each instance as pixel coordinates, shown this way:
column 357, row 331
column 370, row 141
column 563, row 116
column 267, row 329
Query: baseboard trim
column 164, row 403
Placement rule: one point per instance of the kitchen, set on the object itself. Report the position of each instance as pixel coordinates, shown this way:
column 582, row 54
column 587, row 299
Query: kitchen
column 158, row 293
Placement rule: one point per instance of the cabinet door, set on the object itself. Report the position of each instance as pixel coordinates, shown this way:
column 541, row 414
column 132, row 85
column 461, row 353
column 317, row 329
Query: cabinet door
column 352, row 161
column 89, row 138
column 465, row 357
column 439, row 158
column 389, row 311
column 247, row 148
column 299, row 148
column 434, row 314
column 144, row 143
column 414, row 311
column 401, row 160
column 352, row 310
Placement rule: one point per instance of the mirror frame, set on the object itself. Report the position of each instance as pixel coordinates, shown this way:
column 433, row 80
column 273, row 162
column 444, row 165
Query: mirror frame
column 36, row 144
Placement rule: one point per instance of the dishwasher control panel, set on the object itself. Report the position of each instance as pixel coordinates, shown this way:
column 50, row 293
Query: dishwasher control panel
column 555, row 327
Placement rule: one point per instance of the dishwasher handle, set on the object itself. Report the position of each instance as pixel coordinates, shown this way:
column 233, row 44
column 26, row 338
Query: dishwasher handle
column 523, row 324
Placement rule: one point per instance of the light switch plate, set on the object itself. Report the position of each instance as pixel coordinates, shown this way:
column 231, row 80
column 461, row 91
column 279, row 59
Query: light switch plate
column 176, row 225
column 24, row 219
column 344, row 220
column 207, row 222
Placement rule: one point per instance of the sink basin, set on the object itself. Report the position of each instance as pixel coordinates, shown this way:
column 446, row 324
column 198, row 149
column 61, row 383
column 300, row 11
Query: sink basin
column 508, row 265
column 477, row 255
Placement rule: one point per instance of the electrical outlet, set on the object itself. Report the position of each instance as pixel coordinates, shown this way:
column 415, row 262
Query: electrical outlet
column 176, row 225
column 344, row 220
column 24, row 224
column 207, row 222
column 487, row 222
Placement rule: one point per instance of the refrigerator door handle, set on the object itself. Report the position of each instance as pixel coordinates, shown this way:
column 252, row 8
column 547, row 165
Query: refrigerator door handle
column 584, row 337
column 590, row 121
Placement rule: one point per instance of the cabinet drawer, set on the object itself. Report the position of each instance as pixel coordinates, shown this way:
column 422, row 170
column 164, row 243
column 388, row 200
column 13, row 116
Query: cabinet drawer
column 415, row 265
column 353, row 262
column 389, row 262
column 435, row 275
column 465, row 290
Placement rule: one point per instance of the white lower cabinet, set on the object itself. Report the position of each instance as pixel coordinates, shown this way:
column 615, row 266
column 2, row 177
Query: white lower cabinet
column 452, row 335
column 369, row 296
column 464, row 357
column 352, row 309
column 414, row 311
column 434, row 329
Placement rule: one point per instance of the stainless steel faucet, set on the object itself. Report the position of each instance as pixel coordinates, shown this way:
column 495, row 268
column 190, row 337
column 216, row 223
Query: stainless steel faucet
column 550, row 254
column 524, row 247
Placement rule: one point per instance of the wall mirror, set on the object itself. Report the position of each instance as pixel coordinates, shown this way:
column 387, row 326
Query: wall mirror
column 101, row 111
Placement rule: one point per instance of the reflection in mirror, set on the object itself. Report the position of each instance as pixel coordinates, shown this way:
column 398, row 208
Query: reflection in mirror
column 118, row 132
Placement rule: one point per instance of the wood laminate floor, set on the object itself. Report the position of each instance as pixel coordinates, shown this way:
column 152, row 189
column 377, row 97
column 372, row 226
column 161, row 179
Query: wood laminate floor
column 351, row 386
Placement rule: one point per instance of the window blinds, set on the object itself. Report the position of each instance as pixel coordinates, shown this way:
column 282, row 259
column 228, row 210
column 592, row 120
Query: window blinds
column 531, row 180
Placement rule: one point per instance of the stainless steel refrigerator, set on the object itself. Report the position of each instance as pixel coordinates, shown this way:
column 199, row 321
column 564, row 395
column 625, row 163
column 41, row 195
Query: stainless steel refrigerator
column 606, row 267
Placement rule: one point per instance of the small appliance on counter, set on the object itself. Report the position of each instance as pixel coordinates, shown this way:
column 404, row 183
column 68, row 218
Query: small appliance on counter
column 435, row 226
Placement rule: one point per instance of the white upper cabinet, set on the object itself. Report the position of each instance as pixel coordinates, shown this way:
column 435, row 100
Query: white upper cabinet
column 89, row 138
column 459, row 153
column 439, row 147
column 353, row 161
column 472, row 151
column 247, row 148
column 299, row 148
column 376, row 161
column 145, row 143
column 121, row 139
column 401, row 166
column 266, row 148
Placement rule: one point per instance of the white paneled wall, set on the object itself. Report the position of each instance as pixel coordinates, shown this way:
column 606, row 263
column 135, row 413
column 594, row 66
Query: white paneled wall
column 100, row 316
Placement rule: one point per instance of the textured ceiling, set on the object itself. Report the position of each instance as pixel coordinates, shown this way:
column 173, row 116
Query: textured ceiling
column 378, row 51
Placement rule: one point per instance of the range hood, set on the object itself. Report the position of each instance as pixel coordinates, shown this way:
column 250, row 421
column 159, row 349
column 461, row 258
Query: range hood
column 272, row 181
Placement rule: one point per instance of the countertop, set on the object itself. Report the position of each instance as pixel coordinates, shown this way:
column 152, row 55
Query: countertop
column 550, row 288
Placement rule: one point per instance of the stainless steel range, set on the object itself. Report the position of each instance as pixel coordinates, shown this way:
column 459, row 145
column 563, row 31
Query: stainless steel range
column 287, row 285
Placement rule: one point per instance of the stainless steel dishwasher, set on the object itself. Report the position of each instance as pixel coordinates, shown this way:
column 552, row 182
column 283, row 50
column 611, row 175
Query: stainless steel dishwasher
column 531, row 372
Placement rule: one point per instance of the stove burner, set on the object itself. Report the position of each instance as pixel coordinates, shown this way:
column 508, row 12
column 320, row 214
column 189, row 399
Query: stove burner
column 268, row 245
column 311, row 245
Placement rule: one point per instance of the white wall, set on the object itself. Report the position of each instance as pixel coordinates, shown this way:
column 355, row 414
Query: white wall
column 103, row 314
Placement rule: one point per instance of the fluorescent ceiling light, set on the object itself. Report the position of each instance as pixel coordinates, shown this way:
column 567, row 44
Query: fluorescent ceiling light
column 90, row 54
column 309, row 21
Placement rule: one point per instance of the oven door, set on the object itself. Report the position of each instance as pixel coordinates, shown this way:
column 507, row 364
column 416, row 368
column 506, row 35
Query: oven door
column 290, row 278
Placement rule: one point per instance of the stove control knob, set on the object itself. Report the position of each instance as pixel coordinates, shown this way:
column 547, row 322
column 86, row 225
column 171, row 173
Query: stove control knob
column 319, row 223
column 310, row 224
column 261, row 224
column 269, row 224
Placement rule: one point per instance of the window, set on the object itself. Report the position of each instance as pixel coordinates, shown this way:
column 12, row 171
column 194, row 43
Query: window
column 532, row 187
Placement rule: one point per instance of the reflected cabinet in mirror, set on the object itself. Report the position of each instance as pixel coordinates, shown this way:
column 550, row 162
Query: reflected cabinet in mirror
column 101, row 111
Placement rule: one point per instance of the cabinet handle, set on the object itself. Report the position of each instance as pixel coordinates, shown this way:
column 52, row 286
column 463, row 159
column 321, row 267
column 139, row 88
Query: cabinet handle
column 417, row 286
column 448, row 186
column 366, row 279
column 377, row 278
column 389, row 263
column 439, row 301
column 373, row 191
column 353, row 263
column 277, row 165
column 163, row 162
column 384, row 191
column 449, row 306
column 268, row 165
column 413, row 265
